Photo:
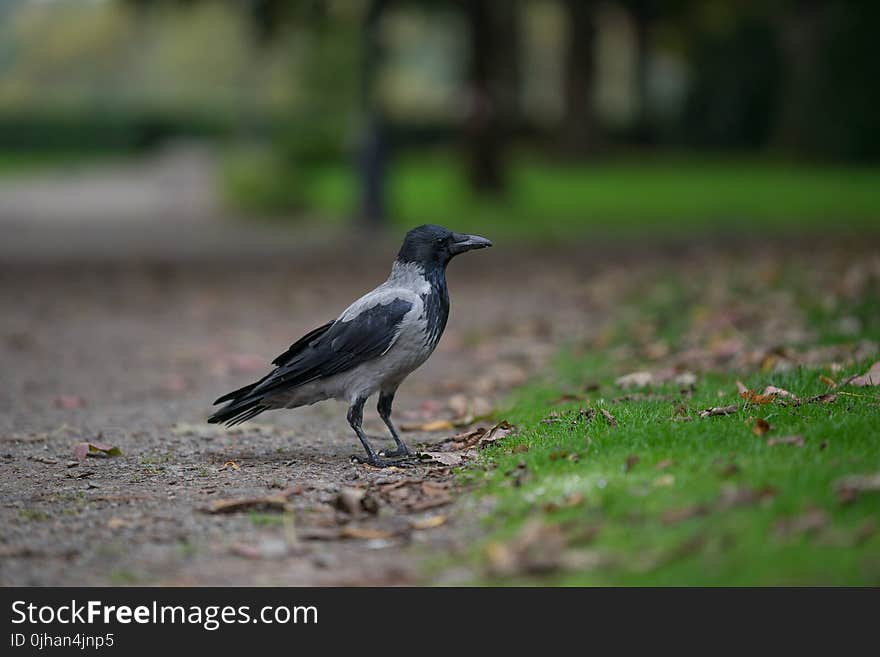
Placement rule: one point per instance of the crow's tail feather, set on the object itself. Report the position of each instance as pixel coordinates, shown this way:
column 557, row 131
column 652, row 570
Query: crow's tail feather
column 239, row 411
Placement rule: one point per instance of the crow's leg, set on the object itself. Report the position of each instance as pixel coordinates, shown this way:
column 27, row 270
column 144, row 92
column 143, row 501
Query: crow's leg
column 384, row 408
column 355, row 418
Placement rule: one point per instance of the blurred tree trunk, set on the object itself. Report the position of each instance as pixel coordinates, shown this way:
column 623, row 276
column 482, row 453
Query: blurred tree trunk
column 580, row 134
column 493, row 57
column 643, row 14
column 372, row 165
column 800, row 35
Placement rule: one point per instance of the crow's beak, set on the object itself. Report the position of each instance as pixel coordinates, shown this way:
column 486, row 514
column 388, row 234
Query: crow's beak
column 464, row 243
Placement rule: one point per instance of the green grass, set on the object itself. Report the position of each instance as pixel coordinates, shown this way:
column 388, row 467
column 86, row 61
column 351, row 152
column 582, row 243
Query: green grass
column 572, row 474
column 740, row 545
column 625, row 195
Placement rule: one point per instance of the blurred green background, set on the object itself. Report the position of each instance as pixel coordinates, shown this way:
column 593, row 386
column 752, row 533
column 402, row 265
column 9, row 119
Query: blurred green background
column 543, row 118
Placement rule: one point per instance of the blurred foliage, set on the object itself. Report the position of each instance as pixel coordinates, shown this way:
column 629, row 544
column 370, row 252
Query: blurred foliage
column 290, row 81
column 628, row 195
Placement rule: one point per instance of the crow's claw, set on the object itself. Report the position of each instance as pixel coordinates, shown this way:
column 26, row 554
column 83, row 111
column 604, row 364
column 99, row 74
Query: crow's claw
column 377, row 462
column 400, row 452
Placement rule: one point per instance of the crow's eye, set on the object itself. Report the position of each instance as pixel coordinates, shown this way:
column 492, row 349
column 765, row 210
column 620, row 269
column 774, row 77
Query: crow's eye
column 439, row 240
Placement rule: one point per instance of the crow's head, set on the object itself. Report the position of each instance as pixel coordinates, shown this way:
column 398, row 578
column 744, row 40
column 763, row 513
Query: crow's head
column 431, row 245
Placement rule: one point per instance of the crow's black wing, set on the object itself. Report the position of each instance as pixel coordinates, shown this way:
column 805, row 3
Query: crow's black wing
column 344, row 345
column 329, row 349
column 288, row 355
column 302, row 343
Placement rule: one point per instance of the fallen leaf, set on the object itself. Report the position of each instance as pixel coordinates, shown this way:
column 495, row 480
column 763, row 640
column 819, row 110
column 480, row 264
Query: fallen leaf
column 270, row 503
column 355, row 500
column 807, row 523
column 48, row 460
column 635, row 380
column 553, row 418
column 665, row 480
column 608, row 417
column 69, row 402
column 732, row 496
column 827, row 398
column 675, row 516
column 869, row 378
column 719, row 410
column 496, row 433
column 366, row 533
column 866, row 531
column 445, row 458
column 82, row 450
column 665, row 463
column 760, row 427
column 797, row 441
column 428, row 523
column 631, row 462
column 538, row 548
column 522, row 448
column 781, row 393
column 828, row 381
column 848, row 488
column 231, row 465
column 751, row 396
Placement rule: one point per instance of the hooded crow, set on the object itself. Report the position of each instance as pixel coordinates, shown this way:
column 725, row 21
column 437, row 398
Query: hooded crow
column 371, row 347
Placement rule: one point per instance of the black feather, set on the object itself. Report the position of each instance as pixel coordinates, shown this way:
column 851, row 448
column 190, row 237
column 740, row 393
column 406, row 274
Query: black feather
column 301, row 343
column 343, row 346
column 328, row 350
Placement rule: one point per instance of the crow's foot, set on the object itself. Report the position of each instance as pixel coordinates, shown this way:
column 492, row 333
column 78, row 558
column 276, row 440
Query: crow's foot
column 400, row 452
column 378, row 462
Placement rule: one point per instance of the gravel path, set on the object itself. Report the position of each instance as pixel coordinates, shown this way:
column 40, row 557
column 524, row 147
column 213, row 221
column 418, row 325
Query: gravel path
column 131, row 351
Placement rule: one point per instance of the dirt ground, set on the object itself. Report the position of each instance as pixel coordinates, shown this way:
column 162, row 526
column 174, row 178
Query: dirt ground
column 130, row 351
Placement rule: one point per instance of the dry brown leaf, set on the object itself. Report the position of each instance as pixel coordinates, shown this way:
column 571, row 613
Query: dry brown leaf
column 635, row 380
column 496, row 433
column 827, row 398
column 828, row 381
column 428, row 523
column 631, row 461
column 719, row 410
column 537, row 549
column 760, row 427
column 751, row 396
column 781, row 393
column 869, row 378
column 732, row 496
column 82, row 450
column 809, row 522
column 230, row 465
column 675, row 516
column 608, row 417
column 117, row 523
column 797, row 441
column 270, row 503
column 366, row 533
column 445, row 458
column 665, row 463
column 69, row 402
column 355, row 500
column 849, row 487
